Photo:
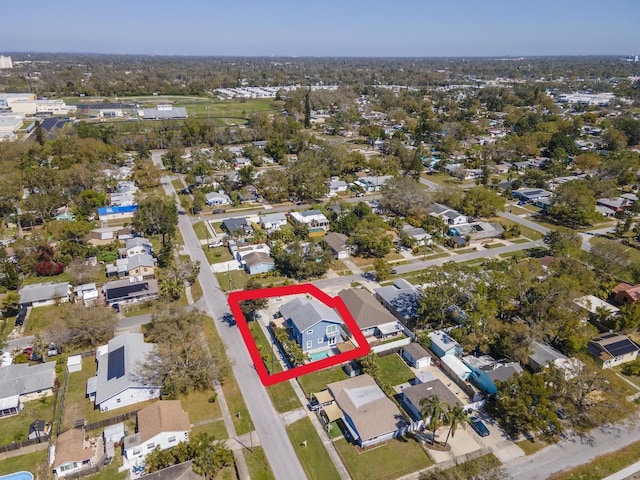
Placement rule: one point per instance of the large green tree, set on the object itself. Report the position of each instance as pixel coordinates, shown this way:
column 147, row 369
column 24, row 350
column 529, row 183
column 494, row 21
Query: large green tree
column 156, row 215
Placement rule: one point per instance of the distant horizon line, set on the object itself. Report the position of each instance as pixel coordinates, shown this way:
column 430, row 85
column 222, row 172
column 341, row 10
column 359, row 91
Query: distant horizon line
column 508, row 56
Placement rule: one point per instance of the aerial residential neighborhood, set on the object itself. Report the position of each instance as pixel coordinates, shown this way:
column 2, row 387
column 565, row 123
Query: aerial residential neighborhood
column 225, row 257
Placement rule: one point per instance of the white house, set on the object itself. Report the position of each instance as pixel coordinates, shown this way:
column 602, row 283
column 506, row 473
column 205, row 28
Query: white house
column 20, row 383
column 449, row 215
column 163, row 424
column 42, row 294
column 273, row 221
column 73, row 453
column 337, row 186
column 372, row 184
column 217, row 198
column 311, row 218
column 117, row 382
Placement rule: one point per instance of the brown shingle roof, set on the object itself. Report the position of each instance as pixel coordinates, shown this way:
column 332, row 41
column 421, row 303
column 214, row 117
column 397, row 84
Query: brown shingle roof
column 364, row 308
column 70, row 448
column 337, row 241
column 162, row 416
column 436, row 388
column 371, row 411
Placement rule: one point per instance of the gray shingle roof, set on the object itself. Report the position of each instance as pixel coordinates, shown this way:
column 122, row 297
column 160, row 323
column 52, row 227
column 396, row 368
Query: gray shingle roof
column 305, row 313
column 135, row 351
column 20, row 379
column 43, row 291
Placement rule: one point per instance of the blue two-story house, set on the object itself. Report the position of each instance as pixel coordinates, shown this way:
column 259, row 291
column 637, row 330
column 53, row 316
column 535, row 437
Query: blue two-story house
column 313, row 324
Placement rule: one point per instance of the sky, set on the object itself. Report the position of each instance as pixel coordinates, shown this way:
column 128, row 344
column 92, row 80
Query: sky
column 371, row 28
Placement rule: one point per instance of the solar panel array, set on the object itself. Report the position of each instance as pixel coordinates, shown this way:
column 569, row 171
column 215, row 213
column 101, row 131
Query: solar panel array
column 621, row 347
column 115, row 364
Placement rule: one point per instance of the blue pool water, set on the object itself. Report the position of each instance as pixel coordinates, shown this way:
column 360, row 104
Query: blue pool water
column 315, row 356
column 17, row 476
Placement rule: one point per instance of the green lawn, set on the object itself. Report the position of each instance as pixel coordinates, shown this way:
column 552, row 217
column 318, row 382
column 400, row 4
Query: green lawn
column 35, row 463
column 215, row 428
column 16, row 427
column 393, row 370
column 317, row 381
column 197, row 405
column 282, row 394
column 520, row 240
column 201, row 231
column 77, row 406
column 393, row 459
column 314, row 457
column 178, row 184
column 530, row 233
column 232, row 280
column 63, row 277
column 217, row 254
column 367, row 262
column 258, row 464
column 41, row 317
column 232, row 393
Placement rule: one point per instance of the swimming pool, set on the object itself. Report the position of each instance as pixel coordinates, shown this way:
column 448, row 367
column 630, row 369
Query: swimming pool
column 315, row 356
column 18, row 476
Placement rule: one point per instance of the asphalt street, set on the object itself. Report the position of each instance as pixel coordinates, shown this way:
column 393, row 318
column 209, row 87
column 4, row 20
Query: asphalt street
column 573, row 452
column 271, row 431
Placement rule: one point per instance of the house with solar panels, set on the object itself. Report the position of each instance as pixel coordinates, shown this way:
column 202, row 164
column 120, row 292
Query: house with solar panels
column 118, row 382
column 613, row 349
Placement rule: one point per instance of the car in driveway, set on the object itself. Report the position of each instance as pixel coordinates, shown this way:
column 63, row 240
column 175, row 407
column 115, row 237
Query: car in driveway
column 478, row 426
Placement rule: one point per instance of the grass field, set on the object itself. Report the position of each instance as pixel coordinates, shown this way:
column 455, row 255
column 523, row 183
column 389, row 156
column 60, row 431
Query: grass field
column 232, row 394
column 232, row 280
column 282, row 395
column 530, row 233
column 393, row 370
column 217, row 254
column 258, row 464
column 317, row 381
column 393, row 459
column 35, row 463
column 314, row 457
column 41, row 317
column 201, row 231
column 77, row 406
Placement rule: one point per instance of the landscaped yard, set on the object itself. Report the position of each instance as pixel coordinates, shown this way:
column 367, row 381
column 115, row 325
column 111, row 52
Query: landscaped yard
column 282, row 395
column 393, row 370
column 314, row 457
column 63, row 277
column 390, row 460
column 317, row 381
column 258, row 464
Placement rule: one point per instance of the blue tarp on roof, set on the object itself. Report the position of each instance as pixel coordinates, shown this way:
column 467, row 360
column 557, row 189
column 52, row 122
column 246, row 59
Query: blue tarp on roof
column 117, row 209
column 481, row 380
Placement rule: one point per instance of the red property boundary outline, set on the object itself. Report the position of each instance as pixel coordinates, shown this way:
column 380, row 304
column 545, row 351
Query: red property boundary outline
column 267, row 379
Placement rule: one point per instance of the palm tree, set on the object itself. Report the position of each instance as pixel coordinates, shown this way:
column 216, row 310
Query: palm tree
column 454, row 417
column 431, row 408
